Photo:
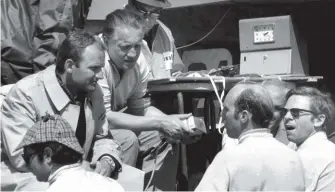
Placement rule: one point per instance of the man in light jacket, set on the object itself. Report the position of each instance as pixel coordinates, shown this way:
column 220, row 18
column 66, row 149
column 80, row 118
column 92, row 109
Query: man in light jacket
column 259, row 162
column 308, row 112
column 52, row 152
column 68, row 88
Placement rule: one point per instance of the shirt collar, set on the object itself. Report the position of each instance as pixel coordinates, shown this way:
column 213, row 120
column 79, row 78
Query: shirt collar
column 261, row 132
column 54, row 176
column 56, row 93
column 314, row 139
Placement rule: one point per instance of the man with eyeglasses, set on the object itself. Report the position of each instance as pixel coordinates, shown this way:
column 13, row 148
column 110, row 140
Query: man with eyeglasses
column 52, row 152
column 308, row 111
column 158, row 50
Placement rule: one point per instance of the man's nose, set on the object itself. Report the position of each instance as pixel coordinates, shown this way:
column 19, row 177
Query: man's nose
column 132, row 53
column 288, row 115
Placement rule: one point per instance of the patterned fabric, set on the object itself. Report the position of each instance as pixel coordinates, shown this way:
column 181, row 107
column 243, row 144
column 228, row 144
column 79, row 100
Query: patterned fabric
column 52, row 128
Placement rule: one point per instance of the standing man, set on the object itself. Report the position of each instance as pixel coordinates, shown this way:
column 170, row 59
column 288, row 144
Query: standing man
column 32, row 31
column 253, row 164
column 68, row 88
column 140, row 127
column 158, row 49
column 308, row 112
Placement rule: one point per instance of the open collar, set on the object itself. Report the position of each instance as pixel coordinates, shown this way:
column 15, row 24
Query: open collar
column 261, row 132
column 56, row 93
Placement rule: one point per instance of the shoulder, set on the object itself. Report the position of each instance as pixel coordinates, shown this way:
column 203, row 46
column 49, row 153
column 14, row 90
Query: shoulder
column 164, row 27
column 27, row 86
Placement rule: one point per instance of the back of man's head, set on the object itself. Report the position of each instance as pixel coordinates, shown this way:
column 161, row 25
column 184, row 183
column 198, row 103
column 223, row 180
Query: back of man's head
column 320, row 103
column 256, row 100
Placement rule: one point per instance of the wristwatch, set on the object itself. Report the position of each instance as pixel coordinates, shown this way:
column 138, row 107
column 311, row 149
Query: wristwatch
column 109, row 161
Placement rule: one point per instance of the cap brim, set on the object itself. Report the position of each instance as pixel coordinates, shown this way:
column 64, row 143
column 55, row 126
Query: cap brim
column 154, row 3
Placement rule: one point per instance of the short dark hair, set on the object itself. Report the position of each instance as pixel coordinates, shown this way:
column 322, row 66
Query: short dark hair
column 62, row 154
column 73, row 47
column 256, row 101
column 321, row 103
column 121, row 17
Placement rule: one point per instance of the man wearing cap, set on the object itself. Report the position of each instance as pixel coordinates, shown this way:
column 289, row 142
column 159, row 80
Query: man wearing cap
column 158, row 50
column 68, row 88
column 52, row 152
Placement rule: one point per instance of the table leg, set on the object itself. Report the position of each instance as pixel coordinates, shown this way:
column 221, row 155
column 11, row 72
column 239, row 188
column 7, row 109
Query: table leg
column 183, row 174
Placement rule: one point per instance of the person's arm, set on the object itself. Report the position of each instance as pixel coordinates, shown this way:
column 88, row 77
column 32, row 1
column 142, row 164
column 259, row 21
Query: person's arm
column 178, row 64
column 104, row 145
column 17, row 116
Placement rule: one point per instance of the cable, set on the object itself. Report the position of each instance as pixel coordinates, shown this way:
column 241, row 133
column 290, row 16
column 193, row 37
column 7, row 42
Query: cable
column 219, row 97
column 217, row 24
column 157, row 150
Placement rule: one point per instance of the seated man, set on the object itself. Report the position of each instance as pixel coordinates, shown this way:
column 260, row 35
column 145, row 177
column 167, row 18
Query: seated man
column 142, row 126
column 53, row 153
column 259, row 162
column 307, row 113
column 68, row 88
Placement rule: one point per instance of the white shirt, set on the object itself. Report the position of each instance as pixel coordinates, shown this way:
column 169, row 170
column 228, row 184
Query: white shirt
column 75, row 178
column 318, row 158
column 258, row 163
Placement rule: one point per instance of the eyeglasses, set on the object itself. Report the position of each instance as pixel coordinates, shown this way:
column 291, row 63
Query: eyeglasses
column 143, row 9
column 27, row 158
column 296, row 112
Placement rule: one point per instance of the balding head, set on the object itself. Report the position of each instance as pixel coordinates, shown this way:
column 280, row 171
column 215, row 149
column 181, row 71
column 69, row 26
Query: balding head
column 247, row 106
column 277, row 90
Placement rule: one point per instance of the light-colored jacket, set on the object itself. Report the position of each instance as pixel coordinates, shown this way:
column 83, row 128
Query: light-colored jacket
column 258, row 163
column 163, row 51
column 41, row 93
column 318, row 157
column 74, row 178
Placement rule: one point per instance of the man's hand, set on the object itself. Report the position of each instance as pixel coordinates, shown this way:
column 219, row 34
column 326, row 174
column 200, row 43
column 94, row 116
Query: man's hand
column 172, row 127
column 182, row 117
column 103, row 166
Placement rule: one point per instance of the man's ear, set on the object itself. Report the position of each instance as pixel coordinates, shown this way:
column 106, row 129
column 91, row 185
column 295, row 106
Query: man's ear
column 69, row 65
column 319, row 120
column 47, row 154
column 244, row 116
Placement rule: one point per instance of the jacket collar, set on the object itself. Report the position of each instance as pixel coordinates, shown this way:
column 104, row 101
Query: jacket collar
column 56, row 93
column 261, row 132
column 55, row 175
column 313, row 140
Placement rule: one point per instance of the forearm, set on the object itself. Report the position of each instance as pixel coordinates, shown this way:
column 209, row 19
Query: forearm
column 153, row 111
column 119, row 120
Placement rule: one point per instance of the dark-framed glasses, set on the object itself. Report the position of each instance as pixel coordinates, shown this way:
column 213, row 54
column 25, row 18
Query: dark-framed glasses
column 144, row 10
column 296, row 112
column 27, row 158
